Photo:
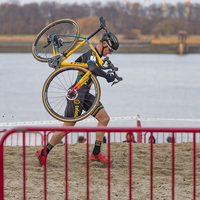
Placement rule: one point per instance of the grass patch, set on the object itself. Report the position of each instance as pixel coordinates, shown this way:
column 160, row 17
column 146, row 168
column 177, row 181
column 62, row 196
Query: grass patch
column 149, row 39
column 17, row 38
column 146, row 44
column 191, row 40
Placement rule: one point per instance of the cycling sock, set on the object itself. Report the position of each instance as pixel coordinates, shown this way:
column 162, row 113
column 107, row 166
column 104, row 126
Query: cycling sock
column 48, row 148
column 97, row 148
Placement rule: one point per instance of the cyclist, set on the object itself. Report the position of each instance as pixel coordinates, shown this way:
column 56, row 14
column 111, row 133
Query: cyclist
column 107, row 45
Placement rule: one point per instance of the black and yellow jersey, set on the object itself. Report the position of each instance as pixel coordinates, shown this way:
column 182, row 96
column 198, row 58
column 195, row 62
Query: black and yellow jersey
column 91, row 59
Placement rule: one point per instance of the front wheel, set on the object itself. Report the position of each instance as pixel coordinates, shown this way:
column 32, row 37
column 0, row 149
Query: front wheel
column 68, row 107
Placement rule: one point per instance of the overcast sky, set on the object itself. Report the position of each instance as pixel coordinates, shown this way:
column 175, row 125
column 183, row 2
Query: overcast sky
column 147, row 2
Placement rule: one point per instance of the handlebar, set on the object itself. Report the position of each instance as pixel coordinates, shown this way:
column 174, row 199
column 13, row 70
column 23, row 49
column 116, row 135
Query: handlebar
column 112, row 70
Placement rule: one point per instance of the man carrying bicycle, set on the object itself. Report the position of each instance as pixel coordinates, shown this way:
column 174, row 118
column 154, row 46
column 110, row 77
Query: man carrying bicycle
column 107, row 45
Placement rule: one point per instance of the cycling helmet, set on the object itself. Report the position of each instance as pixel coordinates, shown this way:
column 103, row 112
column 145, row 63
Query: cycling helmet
column 111, row 39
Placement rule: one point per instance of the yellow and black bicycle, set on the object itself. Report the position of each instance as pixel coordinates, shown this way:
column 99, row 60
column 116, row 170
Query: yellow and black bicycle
column 54, row 44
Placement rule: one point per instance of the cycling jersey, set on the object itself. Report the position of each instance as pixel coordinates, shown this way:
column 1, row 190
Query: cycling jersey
column 85, row 99
column 90, row 58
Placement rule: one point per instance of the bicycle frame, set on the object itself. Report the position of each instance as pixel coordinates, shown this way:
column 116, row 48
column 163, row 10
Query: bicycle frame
column 77, row 47
column 62, row 64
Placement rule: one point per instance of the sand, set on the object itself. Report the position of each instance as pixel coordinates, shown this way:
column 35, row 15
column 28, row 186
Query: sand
column 162, row 189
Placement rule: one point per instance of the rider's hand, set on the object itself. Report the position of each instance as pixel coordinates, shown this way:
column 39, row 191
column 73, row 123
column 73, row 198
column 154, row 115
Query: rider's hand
column 110, row 78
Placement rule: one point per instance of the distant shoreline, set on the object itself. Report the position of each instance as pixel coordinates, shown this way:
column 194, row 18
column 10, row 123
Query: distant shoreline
column 25, row 47
column 146, row 44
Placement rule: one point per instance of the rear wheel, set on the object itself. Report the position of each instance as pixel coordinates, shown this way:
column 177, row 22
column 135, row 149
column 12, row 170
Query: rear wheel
column 57, row 99
column 62, row 34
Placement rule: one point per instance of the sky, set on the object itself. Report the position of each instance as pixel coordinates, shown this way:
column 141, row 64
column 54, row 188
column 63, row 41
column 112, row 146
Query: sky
column 147, row 2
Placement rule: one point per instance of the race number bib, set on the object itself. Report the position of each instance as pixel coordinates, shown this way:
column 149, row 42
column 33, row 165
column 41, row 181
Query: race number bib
column 93, row 58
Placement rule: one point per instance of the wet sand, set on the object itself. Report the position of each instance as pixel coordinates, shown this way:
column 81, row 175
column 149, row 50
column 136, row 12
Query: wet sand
column 162, row 189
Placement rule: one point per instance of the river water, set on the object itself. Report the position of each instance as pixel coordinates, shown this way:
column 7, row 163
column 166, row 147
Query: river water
column 153, row 86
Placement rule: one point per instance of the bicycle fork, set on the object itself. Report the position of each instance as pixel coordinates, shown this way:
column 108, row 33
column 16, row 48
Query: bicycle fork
column 81, row 82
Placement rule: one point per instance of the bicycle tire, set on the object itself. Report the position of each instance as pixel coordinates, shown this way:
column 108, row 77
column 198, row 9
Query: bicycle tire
column 55, row 90
column 60, row 27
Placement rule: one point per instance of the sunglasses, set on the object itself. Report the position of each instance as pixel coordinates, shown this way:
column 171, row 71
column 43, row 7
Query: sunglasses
column 110, row 49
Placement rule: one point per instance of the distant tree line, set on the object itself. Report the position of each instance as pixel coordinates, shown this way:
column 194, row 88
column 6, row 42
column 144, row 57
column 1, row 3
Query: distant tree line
column 129, row 19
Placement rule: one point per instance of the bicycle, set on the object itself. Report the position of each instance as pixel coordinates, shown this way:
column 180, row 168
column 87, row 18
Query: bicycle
column 54, row 44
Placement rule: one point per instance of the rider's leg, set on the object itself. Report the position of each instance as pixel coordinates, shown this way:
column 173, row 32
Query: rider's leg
column 103, row 120
column 56, row 138
column 69, row 112
column 58, row 135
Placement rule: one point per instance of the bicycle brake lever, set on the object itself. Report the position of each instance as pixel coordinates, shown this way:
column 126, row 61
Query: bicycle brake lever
column 118, row 79
column 113, row 67
column 113, row 70
column 115, row 82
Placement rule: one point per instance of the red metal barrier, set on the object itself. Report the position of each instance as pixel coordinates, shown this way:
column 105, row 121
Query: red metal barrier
column 32, row 138
column 179, row 138
column 103, row 129
column 14, row 140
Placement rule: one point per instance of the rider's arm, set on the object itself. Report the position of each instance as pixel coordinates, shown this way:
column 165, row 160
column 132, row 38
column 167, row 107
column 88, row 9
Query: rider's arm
column 95, row 70
column 98, row 71
column 91, row 61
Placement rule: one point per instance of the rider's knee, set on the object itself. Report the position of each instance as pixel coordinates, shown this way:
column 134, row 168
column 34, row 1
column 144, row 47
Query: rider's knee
column 105, row 120
column 69, row 124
